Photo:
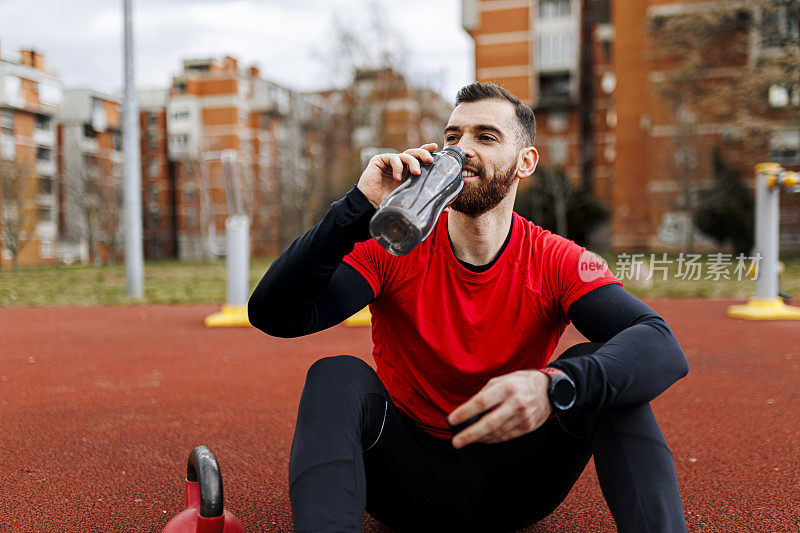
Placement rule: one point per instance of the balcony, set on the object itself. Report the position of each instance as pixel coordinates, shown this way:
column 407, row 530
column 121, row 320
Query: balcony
column 45, row 168
column 46, row 200
column 89, row 145
column 44, row 137
column 46, row 230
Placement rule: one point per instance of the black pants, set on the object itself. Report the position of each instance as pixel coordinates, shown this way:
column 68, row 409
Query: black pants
column 353, row 450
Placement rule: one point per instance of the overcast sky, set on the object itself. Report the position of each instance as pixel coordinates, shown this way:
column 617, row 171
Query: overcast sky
column 82, row 39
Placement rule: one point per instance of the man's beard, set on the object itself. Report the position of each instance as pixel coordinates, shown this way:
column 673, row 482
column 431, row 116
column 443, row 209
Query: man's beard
column 482, row 194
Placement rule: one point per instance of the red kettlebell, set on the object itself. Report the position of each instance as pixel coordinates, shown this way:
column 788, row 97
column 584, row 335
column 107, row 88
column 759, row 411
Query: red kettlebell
column 204, row 506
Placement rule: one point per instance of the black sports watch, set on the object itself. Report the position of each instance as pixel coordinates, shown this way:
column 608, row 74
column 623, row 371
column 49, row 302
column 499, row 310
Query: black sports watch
column 561, row 389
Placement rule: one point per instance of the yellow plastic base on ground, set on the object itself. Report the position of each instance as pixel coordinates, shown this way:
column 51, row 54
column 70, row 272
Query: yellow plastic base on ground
column 757, row 309
column 228, row 317
column 362, row 318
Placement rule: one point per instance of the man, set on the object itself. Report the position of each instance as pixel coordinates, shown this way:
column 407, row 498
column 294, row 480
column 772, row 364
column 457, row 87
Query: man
column 463, row 329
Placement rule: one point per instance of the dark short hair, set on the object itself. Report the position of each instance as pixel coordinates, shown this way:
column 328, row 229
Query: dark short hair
column 477, row 91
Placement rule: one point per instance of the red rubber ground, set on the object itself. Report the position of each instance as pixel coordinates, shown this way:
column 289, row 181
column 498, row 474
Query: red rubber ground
column 99, row 408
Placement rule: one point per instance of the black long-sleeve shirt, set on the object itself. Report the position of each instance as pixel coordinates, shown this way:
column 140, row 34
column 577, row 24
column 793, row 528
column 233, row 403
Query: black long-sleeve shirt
column 309, row 288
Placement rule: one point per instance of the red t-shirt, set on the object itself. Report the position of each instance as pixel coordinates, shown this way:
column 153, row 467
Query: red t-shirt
column 440, row 331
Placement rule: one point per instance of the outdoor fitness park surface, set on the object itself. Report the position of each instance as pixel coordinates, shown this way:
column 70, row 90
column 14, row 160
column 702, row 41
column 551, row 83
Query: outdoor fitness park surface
column 100, row 407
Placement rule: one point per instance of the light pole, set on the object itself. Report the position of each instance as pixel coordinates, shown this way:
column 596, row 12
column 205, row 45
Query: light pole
column 134, row 262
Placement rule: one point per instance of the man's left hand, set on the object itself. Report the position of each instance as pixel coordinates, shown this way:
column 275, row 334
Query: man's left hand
column 519, row 403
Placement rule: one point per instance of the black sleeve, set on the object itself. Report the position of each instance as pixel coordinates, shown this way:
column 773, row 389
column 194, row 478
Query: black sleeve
column 308, row 288
column 640, row 357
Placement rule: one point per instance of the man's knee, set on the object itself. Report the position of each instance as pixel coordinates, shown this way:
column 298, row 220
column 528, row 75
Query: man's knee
column 338, row 368
column 337, row 382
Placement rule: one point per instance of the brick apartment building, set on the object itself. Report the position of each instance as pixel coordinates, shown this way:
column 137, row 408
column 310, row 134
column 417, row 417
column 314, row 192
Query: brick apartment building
column 159, row 177
column 295, row 153
column 90, row 171
column 30, row 102
column 591, row 70
column 214, row 106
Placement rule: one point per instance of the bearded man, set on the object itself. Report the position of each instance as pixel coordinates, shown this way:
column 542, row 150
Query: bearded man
column 468, row 423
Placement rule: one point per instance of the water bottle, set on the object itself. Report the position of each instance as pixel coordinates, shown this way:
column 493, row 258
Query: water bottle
column 407, row 215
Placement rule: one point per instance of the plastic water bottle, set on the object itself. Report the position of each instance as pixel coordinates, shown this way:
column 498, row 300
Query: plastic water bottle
column 407, row 215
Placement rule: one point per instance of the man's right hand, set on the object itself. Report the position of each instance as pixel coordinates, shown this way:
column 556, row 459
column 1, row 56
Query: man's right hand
column 386, row 171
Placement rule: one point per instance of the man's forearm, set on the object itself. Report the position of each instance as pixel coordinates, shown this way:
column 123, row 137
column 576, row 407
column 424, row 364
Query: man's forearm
column 640, row 357
column 305, row 268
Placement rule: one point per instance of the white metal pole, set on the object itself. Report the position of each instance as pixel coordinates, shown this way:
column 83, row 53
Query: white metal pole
column 767, row 235
column 134, row 261
column 237, row 259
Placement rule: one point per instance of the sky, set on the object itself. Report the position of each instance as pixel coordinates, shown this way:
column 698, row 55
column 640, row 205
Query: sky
column 287, row 39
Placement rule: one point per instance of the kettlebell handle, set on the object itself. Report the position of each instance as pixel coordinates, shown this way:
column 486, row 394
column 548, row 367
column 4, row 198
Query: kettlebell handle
column 202, row 468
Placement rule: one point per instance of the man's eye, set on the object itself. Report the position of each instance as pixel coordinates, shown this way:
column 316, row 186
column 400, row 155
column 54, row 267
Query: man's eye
column 451, row 138
column 487, row 138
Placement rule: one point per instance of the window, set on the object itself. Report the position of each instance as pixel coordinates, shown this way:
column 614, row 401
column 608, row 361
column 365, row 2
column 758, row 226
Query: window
column 780, row 23
column 189, row 193
column 7, row 121
column 152, row 141
column 43, row 153
column 784, row 95
column 8, row 147
column 116, row 139
column 180, row 114
column 555, row 50
column 99, row 119
column 155, row 219
column 784, row 147
column 46, row 249
column 42, row 122
column 153, row 169
column 558, row 152
column 50, row 94
column 557, row 121
column 554, row 87
column 549, row 9
column 191, row 217
column 45, row 214
column 45, row 185
column 602, row 11
column 88, row 131
column 13, row 90
column 152, row 119
column 179, row 142
column 152, row 191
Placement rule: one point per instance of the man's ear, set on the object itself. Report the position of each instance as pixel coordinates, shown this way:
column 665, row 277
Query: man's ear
column 527, row 161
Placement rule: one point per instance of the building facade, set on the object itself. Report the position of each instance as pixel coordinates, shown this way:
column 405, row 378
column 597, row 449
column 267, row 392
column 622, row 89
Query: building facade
column 594, row 72
column 90, row 171
column 219, row 140
column 159, row 178
column 31, row 96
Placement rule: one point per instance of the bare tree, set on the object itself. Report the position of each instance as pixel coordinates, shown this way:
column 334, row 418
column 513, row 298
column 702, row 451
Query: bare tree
column 362, row 40
column 17, row 213
column 93, row 201
column 367, row 58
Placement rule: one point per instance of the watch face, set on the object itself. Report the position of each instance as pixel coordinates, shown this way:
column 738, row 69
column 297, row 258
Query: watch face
column 563, row 394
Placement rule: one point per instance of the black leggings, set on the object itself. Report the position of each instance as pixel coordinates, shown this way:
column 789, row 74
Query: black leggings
column 353, row 450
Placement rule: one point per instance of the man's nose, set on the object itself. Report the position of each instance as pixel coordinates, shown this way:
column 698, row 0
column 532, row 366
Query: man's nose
column 467, row 147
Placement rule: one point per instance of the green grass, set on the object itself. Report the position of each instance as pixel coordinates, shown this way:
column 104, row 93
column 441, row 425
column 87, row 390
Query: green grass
column 676, row 286
column 165, row 282
column 170, row 282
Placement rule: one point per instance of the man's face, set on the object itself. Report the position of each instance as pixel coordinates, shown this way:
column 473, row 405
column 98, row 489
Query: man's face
column 487, row 133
